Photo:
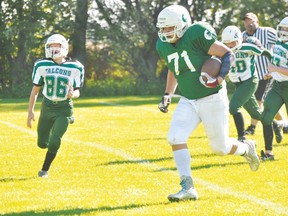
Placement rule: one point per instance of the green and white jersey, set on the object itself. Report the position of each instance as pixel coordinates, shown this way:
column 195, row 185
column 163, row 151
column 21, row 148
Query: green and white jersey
column 186, row 57
column 57, row 78
column 244, row 66
column 280, row 58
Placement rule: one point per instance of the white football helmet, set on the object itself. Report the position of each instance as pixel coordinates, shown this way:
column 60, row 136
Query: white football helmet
column 56, row 52
column 173, row 16
column 282, row 30
column 230, row 34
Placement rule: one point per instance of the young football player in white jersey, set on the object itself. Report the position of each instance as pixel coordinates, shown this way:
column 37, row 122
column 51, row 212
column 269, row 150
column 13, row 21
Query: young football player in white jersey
column 267, row 37
column 244, row 75
column 278, row 95
column 185, row 47
column 60, row 78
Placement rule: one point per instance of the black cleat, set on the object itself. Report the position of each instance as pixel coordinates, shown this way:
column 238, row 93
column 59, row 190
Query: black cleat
column 278, row 132
column 250, row 130
column 241, row 139
column 266, row 156
column 285, row 129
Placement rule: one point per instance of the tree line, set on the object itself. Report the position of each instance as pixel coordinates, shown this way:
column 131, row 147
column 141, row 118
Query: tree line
column 115, row 40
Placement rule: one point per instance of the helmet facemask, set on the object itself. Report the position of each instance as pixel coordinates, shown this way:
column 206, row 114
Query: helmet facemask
column 55, row 52
column 170, row 36
column 282, row 30
column 173, row 16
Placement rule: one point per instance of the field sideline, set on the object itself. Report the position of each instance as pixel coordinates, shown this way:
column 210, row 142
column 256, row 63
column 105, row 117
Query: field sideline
column 115, row 160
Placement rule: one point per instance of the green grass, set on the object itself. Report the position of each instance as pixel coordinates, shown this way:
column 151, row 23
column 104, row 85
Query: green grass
column 115, row 160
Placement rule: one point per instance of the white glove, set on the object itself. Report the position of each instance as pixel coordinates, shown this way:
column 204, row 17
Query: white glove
column 208, row 81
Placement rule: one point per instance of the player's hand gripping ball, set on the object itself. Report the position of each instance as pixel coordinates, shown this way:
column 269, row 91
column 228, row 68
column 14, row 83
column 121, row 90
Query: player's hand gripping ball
column 209, row 72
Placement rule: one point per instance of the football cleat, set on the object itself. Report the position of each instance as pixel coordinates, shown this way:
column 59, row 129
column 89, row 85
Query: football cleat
column 278, row 131
column 266, row 156
column 43, row 174
column 285, row 129
column 71, row 120
column 188, row 192
column 251, row 155
column 241, row 139
column 250, row 130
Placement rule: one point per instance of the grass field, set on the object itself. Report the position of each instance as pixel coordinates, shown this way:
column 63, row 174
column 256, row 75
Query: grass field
column 114, row 160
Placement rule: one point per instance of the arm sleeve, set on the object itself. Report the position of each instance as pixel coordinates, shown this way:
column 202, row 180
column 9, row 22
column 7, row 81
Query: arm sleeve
column 227, row 60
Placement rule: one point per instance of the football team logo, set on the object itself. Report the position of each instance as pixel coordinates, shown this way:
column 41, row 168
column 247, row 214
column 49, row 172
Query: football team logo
column 184, row 18
column 208, row 35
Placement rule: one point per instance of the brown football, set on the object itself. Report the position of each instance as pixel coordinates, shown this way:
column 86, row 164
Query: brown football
column 212, row 66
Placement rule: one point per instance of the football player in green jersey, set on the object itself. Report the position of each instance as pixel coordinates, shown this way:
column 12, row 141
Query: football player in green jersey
column 278, row 95
column 61, row 79
column 244, row 75
column 184, row 48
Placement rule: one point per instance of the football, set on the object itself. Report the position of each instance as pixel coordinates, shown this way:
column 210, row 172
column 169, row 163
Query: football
column 212, row 66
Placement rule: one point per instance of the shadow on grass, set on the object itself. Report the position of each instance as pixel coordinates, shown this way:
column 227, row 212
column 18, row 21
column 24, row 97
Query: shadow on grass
column 79, row 211
column 283, row 143
column 13, row 179
column 205, row 166
column 136, row 161
column 22, row 104
column 164, row 138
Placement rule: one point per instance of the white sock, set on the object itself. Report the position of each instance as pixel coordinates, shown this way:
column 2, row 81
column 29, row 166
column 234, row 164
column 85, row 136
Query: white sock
column 182, row 160
column 241, row 149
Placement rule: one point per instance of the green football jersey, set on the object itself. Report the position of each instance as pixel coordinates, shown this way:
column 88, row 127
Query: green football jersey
column 186, row 57
column 57, row 78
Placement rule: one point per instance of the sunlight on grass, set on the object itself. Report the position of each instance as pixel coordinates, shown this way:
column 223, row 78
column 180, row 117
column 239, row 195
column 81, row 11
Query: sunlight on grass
column 115, row 160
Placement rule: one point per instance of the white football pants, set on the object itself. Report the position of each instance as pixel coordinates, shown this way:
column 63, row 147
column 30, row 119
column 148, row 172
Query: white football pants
column 212, row 111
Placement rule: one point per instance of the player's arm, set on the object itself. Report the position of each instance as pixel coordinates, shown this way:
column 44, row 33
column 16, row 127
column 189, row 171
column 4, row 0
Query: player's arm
column 32, row 100
column 227, row 57
column 267, row 53
column 273, row 68
column 171, row 85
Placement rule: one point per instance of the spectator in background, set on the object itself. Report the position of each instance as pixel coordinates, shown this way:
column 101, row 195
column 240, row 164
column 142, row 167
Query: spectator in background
column 267, row 36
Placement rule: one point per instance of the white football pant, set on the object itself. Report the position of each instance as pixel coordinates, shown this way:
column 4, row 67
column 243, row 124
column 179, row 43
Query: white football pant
column 212, row 111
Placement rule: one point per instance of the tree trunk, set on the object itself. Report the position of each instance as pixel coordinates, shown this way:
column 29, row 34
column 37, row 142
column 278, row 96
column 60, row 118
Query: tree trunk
column 79, row 35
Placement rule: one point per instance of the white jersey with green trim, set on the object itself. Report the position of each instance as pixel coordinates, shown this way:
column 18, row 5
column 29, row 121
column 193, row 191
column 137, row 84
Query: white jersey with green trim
column 244, row 66
column 280, row 58
column 57, row 78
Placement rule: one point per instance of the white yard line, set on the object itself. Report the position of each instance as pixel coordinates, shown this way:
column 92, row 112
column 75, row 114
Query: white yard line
column 277, row 208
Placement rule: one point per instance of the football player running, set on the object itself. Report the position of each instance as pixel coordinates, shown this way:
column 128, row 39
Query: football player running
column 185, row 48
column 61, row 79
column 278, row 94
column 244, row 75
